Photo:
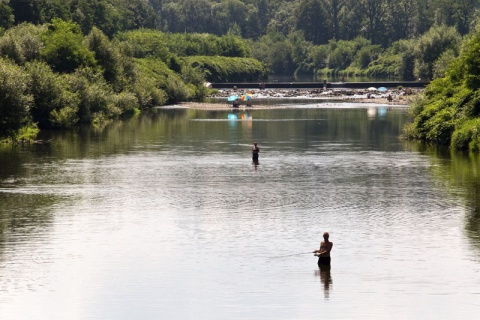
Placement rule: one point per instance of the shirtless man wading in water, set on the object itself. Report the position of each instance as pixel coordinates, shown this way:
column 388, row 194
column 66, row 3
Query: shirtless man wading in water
column 323, row 253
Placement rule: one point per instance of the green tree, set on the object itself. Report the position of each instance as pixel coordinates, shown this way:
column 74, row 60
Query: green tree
column 221, row 69
column 15, row 101
column 319, row 56
column 335, row 10
column 146, row 43
column 51, row 94
column 400, row 19
column 51, row 9
column 424, row 16
column 138, row 14
column 311, row 18
column 342, row 54
column 196, row 15
column 40, row 11
column 94, row 95
column 283, row 22
column 259, row 14
column 6, row 14
column 468, row 66
column 300, row 52
column 64, row 49
column 352, row 23
column 465, row 11
column 430, row 47
column 449, row 111
column 27, row 11
column 22, row 43
column 405, row 50
column 374, row 11
column 459, row 14
column 440, row 66
column 106, row 55
column 104, row 14
column 229, row 12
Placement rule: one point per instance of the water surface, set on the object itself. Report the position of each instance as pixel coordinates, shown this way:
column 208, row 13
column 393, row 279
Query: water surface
column 165, row 216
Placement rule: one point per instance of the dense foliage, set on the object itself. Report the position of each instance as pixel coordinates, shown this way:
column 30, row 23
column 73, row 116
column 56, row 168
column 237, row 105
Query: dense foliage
column 420, row 57
column 313, row 37
column 15, row 101
column 54, row 76
column 449, row 111
column 223, row 69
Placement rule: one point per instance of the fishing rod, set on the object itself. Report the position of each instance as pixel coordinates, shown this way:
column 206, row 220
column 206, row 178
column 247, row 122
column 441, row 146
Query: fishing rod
column 290, row 255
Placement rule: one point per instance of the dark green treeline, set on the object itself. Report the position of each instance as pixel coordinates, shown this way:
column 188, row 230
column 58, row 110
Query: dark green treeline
column 312, row 37
column 380, row 21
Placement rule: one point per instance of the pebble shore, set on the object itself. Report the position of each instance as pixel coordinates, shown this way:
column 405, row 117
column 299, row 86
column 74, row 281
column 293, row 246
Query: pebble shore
column 400, row 98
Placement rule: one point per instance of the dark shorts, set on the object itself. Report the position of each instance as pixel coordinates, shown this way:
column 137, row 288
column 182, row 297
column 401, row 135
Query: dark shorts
column 255, row 156
column 324, row 261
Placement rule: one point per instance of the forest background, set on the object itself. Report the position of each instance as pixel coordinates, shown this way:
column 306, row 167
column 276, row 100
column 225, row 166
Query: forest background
column 312, row 37
column 66, row 62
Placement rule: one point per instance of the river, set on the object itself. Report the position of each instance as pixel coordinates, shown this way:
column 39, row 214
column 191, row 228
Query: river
column 164, row 216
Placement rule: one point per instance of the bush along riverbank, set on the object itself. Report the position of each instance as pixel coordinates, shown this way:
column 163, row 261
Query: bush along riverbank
column 448, row 112
column 54, row 77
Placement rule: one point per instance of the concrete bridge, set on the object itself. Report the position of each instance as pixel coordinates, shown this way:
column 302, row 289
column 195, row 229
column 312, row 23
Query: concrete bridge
column 321, row 85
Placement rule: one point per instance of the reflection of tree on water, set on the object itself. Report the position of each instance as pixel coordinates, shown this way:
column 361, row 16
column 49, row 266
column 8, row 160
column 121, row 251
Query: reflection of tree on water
column 473, row 219
column 23, row 216
column 325, row 279
column 461, row 171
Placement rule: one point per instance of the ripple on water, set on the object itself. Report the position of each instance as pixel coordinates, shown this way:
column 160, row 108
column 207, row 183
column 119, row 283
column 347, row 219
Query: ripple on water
column 162, row 230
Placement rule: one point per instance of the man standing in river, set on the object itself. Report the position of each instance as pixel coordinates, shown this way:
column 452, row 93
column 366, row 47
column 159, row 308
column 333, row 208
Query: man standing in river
column 255, row 151
column 323, row 253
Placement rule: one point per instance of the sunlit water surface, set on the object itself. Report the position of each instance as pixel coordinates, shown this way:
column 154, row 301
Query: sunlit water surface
column 165, row 217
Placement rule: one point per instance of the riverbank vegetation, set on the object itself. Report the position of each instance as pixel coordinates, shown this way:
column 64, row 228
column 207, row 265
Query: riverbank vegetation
column 54, row 76
column 79, row 61
column 448, row 113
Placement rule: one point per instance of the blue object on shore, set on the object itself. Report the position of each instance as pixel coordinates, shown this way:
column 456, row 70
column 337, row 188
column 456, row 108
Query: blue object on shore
column 382, row 89
column 232, row 98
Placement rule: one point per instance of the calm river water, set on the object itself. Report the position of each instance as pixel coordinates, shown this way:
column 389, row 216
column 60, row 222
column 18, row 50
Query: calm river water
column 164, row 216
